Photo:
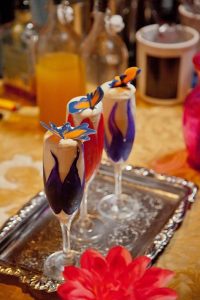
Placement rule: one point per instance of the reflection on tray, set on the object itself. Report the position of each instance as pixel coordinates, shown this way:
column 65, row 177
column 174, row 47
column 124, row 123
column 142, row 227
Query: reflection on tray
column 160, row 201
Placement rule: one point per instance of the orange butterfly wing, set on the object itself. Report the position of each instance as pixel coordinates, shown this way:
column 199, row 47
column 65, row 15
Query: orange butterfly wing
column 82, row 105
column 97, row 96
column 130, row 74
column 74, row 133
column 117, row 81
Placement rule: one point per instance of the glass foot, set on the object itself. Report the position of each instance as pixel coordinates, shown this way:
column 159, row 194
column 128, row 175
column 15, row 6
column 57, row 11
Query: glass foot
column 118, row 208
column 91, row 229
column 55, row 263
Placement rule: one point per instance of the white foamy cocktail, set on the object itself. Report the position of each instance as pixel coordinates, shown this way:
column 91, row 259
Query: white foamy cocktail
column 119, row 135
column 119, row 120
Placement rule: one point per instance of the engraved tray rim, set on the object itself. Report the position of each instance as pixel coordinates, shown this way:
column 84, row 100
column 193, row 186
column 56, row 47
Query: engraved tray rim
column 37, row 203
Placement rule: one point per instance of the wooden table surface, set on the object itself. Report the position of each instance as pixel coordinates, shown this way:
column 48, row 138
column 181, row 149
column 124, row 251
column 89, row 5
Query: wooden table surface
column 159, row 145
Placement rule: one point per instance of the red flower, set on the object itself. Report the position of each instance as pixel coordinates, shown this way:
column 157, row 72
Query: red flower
column 115, row 277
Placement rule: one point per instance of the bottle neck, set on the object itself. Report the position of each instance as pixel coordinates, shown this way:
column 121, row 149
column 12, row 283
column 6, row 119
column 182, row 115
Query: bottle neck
column 99, row 21
column 56, row 36
column 39, row 12
column 99, row 13
column 53, row 19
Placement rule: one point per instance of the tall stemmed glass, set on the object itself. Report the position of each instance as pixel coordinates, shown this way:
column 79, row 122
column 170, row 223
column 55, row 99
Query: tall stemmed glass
column 88, row 227
column 119, row 125
column 64, row 180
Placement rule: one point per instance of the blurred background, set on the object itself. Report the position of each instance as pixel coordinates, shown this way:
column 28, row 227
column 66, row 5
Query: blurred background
column 59, row 49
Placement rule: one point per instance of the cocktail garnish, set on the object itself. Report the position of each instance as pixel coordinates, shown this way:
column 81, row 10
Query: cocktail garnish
column 90, row 101
column 123, row 79
column 66, row 131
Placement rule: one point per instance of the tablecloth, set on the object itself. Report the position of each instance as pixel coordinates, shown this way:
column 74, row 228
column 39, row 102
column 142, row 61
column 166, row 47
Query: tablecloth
column 159, row 145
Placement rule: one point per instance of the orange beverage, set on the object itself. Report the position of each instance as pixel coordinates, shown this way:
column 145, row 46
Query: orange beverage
column 60, row 77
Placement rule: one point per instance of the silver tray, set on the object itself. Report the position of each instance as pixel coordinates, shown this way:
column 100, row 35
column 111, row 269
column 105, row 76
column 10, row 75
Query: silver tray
column 27, row 238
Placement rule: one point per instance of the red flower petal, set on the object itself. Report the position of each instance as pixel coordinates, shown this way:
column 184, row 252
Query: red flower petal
column 156, row 278
column 121, row 295
column 138, row 267
column 117, row 252
column 115, row 277
column 82, row 275
column 161, row 294
column 134, row 272
column 92, row 260
column 118, row 258
column 74, row 290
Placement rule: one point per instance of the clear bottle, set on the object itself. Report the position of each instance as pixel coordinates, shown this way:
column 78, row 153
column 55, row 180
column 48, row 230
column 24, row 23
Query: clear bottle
column 191, row 120
column 60, row 73
column 18, row 61
column 104, row 50
column 135, row 14
column 82, row 16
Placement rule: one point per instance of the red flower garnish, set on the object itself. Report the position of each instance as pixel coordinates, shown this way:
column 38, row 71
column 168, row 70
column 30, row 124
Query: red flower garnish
column 115, row 277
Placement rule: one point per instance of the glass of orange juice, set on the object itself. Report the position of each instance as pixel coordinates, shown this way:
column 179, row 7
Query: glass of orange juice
column 60, row 77
column 60, row 71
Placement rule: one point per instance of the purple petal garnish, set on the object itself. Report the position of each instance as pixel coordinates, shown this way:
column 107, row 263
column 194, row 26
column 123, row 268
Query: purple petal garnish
column 120, row 147
column 64, row 196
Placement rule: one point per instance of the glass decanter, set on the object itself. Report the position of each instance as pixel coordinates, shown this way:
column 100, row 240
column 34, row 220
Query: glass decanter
column 104, row 50
column 60, row 70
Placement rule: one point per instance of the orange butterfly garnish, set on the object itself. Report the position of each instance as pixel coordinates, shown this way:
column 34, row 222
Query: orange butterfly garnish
column 126, row 77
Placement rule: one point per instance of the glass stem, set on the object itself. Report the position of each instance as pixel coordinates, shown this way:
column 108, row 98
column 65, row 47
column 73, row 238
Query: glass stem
column 118, row 180
column 84, row 203
column 65, row 228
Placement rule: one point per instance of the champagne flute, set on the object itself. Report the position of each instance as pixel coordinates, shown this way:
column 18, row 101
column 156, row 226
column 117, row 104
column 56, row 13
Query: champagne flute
column 64, row 180
column 88, row 227
column 119, row 124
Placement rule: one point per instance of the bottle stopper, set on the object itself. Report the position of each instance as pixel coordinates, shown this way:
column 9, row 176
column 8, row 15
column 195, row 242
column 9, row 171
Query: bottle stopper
column 114, row 23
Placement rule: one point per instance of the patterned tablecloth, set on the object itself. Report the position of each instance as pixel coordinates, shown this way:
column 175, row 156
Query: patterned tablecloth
column 159, row 144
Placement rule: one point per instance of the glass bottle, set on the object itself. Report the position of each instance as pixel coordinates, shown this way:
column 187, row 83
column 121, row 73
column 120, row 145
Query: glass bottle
column 82, row 16
column 135, row 14
column 60, row 72
column 191, row 120
column 18, row 62
column 106, row 55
